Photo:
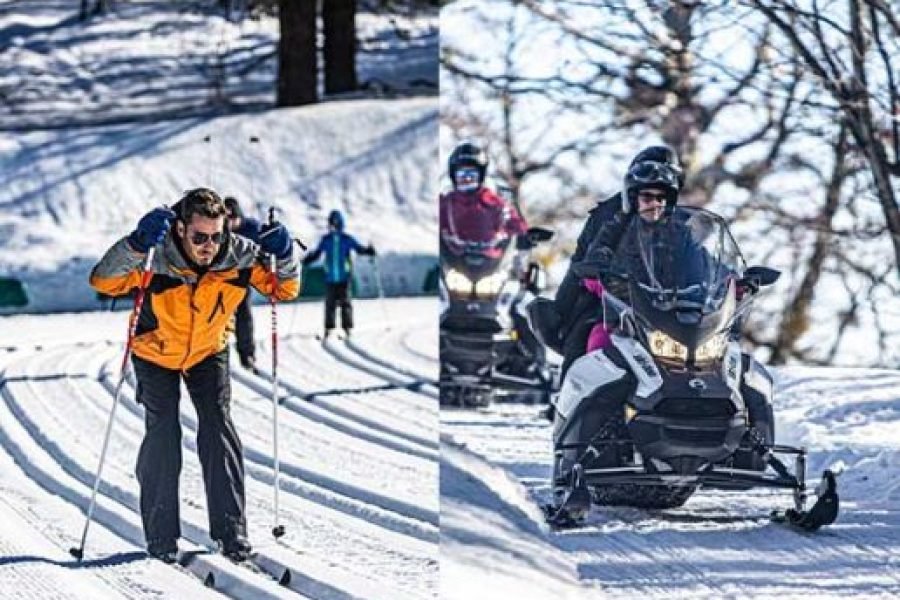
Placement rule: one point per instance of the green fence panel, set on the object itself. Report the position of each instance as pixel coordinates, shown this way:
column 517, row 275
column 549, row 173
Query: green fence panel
column 313, row 283
column 430, row 285
column 12, row 293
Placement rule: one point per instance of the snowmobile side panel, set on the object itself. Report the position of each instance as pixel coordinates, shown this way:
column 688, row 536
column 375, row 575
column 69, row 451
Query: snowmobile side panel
column 641, row 363
column 759, row 379
column 587, row 374
column 731, row 366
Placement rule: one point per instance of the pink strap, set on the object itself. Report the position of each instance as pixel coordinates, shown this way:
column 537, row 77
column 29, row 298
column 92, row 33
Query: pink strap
column 594, row 286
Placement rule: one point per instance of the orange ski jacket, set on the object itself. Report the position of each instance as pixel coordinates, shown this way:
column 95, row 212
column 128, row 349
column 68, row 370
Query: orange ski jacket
column 186, row 313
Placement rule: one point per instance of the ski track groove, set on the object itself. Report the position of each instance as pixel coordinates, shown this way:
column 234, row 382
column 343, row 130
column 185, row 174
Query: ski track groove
column 359, row 408
column 75, row 390
column 420, row 410
column 378, row 348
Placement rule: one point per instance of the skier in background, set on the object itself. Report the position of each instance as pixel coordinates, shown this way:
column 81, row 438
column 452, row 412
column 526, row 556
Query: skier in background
column 337, row 245
column 200, row 275
column 249, row 228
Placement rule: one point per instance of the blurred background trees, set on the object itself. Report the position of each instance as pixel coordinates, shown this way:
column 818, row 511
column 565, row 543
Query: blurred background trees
column 785, row 115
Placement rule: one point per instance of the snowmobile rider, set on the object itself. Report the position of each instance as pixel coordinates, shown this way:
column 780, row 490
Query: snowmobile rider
column 249, row 228
column 573, row 300
column 472, row 212
column 649, row 194
column 337, row 246
column 201, row 273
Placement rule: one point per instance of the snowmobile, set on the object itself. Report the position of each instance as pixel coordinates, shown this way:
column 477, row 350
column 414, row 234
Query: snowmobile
column 487, row 349
column 671, row 404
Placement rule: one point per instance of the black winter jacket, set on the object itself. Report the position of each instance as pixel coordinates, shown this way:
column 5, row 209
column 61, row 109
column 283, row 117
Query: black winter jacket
column 571, row 298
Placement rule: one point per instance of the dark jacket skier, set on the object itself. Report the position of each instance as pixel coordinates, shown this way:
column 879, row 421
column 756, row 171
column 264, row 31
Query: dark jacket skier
column 201, row 273
column 249, row 228
column 337, row 246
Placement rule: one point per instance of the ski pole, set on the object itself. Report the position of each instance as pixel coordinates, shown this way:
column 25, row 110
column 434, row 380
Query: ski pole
column 277, row 528
column 146, row 275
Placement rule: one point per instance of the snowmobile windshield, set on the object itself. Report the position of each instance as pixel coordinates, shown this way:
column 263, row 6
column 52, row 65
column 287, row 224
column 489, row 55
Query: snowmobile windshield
column 686, row 262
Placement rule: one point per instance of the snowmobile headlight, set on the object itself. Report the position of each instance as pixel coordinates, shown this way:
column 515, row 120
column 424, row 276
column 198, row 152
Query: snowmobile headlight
column 664, row 346
column 457, row 282
column 491, row 285
column 712, row 349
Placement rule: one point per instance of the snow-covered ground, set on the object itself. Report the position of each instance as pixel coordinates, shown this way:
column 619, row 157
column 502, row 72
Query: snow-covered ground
column 69, row 194
column 495, row 466
column 358, row 450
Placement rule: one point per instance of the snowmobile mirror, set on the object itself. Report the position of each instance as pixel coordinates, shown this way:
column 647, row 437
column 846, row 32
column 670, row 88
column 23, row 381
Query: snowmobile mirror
column 539, row 234
column 761, row 276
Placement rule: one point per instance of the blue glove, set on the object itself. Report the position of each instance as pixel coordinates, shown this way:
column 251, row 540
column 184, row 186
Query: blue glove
column 275, row 239
column 151, row 229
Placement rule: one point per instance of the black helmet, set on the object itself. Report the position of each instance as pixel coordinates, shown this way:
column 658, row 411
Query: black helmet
column 233, row 207
column 467, row 154
column 660, row 154
column 650, row 174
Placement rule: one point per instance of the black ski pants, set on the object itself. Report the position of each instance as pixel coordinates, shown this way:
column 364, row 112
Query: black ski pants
column 243, row 325
column 220, row 450
column 338, row 295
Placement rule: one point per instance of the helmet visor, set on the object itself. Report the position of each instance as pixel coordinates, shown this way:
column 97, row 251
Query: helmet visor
column 650, row 172
column 467, row 178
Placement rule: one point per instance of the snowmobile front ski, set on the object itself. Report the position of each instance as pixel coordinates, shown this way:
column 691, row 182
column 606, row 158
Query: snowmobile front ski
column 575, row 504
column 823, row 512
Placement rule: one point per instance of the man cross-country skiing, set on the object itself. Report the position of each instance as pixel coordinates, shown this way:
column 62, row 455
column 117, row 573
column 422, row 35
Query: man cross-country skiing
column 201, row 273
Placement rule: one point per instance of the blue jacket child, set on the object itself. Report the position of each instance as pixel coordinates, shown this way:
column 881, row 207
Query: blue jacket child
column 337, row 245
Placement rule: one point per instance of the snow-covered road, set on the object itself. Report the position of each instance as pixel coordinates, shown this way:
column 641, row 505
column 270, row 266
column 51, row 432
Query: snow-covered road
column 358, row 452
column 494, row 475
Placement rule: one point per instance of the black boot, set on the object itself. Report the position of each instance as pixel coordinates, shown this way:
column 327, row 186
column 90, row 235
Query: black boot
column 164, row 550
column 236, row 548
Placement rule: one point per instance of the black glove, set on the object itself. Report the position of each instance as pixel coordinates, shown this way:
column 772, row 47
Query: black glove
column 596, row 263
column 275, row 239
column 151, row 229
column 371, row 250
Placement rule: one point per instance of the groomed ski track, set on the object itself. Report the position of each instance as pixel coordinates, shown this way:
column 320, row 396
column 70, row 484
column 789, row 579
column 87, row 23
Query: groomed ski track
column 495, row 464
column 358, row 452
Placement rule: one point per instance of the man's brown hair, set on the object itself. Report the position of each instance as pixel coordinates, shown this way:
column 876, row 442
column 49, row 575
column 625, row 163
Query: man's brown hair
column 203, row 202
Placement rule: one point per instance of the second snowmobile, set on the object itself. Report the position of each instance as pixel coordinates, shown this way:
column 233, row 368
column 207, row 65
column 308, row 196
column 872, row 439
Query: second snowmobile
column 487, row 349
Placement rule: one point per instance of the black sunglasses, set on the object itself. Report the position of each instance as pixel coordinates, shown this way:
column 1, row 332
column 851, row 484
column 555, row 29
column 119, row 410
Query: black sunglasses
column 649, row 196
column 198, row 238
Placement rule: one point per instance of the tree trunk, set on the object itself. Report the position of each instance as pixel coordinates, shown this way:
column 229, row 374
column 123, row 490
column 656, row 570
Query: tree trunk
column 297, row 65
column 339, row 25
column 795, row 320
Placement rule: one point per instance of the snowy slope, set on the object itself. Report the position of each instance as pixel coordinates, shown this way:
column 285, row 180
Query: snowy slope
column 494, row 474
column 69, row 194
column 358, row 450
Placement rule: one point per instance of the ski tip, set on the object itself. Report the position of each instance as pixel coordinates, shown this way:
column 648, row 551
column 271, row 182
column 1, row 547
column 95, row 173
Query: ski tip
column 210, row 580
column 285, row 578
